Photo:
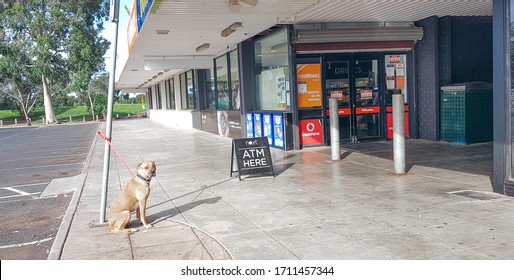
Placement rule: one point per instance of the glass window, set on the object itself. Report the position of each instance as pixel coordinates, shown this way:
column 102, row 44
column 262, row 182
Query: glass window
column 183, row 91
column 190, row 90
column 222, row 85
column 272, row 72
column 170, row 93
column 234, row 80
column 396, row 75
column 187, row 90
column 210, row 90
column 150, row 99
column 158, row 96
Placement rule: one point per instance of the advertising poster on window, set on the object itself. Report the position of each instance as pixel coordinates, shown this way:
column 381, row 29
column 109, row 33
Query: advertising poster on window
column 311, row 132
column 257, row 124
column 223, row 123
column 268, row 127
column 308, row 78
column 249, row 125
column 278, row 130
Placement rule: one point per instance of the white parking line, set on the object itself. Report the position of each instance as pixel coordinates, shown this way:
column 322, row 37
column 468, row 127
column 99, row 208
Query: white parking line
column 25, row 244
column 26, row 185
column 16, row 191
column 20, row 193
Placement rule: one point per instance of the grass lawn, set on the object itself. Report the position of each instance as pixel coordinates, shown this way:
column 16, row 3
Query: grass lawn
column 77, row 113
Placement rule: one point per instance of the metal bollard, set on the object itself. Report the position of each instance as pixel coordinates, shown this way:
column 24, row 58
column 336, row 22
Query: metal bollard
column 83, row 118
column 96, row 117
column 1, row 122
column 15, row 121
column 44, row 123
column 70, row 118
column 398, row 133
column 335, row 145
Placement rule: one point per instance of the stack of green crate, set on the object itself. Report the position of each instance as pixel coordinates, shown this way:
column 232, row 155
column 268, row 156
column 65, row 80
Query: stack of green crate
column 466, row 112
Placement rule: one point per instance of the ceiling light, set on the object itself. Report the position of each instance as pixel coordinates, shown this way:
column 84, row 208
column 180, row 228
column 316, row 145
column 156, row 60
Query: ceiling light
column 231, row 29
column 162, row 32
column 233, row 6
column 252, row 3
column 203, row 47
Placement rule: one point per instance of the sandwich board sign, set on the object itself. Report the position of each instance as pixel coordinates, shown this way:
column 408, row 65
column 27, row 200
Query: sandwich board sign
column 252, row 155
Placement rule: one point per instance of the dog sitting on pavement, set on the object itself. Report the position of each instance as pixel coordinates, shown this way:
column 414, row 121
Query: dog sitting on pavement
column 133, row 197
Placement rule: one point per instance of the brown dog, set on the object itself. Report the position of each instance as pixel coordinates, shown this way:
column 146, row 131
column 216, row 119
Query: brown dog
column 133, row 197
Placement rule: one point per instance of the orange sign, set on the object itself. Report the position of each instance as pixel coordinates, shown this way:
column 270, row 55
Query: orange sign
column 308, row 77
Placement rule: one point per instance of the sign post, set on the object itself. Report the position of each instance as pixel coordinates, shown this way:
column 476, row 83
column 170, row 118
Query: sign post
column 114, row 18
column 252, row 155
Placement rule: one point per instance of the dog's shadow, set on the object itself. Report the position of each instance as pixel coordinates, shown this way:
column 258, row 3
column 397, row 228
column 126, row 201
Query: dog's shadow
column 169, row 213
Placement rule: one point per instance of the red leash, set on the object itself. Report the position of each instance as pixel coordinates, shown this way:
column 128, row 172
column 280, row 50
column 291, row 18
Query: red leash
column 116, row 151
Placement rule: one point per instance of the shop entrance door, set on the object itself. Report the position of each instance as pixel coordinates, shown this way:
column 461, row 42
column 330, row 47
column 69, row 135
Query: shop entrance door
column 354, row 82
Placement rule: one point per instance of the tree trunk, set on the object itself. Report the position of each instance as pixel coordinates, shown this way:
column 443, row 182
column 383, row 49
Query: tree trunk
column 47, row 97
column 26, row 115
column 91, row 104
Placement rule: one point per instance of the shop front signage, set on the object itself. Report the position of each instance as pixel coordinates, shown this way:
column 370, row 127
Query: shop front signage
column 252, row 155
column 278, row 131
column 311, row 132
column 341, row 112
column 143, row 8
column 308, row 78
column 367, row 110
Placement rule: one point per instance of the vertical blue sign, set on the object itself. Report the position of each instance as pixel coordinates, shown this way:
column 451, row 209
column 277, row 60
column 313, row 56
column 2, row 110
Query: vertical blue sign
column 278, row 130
column 249, row 125
column 268, row 127
column 257, row 124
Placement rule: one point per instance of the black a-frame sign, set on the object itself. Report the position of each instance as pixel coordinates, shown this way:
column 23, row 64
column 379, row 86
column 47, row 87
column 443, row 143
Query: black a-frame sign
column 252, row 155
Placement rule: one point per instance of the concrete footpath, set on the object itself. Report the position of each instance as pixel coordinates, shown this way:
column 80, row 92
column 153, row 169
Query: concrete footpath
column 314, row 209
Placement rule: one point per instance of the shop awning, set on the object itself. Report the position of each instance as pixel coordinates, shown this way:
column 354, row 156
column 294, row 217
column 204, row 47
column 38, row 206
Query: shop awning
column 357, row 39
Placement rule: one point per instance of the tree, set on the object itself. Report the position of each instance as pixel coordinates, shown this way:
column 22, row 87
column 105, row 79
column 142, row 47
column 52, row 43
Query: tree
column 61, row 38
column 97, row 94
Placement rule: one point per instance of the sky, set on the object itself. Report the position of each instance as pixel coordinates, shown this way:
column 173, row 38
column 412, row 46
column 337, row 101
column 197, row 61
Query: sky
column 108, row 33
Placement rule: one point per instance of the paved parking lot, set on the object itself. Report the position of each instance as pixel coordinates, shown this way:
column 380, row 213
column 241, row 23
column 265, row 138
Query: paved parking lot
column 31, row 158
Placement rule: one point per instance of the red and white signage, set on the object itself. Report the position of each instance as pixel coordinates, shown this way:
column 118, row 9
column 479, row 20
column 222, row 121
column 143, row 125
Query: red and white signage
column 311, row 132
column 367, row 110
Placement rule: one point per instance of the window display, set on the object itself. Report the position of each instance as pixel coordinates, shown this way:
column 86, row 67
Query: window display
column 222, row 82
column 272, row 72
column 234, row 80
column 396, row 77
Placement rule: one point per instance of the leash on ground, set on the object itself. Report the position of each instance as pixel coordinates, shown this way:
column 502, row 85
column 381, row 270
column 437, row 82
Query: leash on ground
column 102, row 135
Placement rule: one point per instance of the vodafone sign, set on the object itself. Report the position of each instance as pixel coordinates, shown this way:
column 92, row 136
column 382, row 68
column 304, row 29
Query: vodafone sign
column 311, row 132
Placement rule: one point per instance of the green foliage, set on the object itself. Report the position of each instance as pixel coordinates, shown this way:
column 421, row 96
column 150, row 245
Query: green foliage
column 99, row 104
column 77, row 113
column 62, row 39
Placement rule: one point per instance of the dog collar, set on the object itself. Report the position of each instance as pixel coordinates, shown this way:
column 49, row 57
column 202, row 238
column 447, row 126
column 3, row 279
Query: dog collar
column 143, row 178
